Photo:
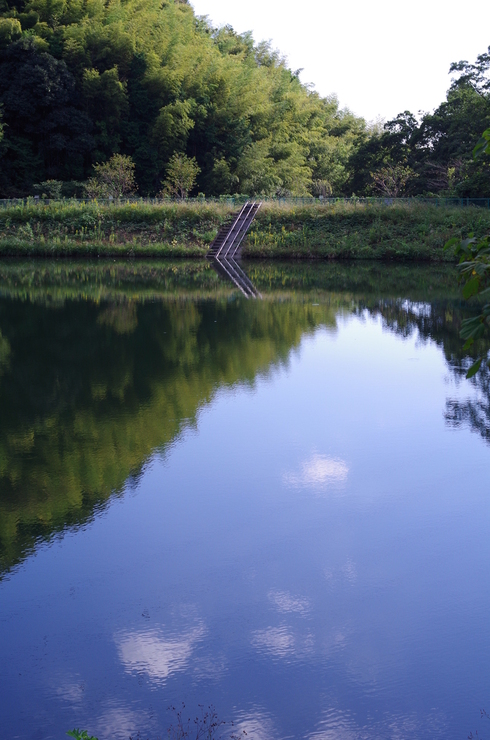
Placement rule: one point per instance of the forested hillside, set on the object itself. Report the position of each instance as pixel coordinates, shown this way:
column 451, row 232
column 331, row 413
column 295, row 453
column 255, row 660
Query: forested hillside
column 81, row 80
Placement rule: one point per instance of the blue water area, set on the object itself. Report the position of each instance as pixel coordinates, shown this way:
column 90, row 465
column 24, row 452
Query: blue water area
column 275, row 506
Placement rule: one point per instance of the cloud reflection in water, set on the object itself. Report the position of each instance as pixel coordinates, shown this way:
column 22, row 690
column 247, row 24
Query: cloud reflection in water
column 118, row 722
column 338, row 725
column 256, row 725
column 280, row 642
column 150, row 652
column 319, row 471
column 285, row 602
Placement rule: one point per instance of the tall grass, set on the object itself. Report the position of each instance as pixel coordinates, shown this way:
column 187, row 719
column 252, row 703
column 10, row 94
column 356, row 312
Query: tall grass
column 403, row 230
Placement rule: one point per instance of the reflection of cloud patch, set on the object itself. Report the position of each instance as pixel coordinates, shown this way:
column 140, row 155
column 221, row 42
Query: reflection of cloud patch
column 71, row 691
column 276, row 640
column 280, row 642
column 158, row 656
column 285, row 602
column 119, row 723
column 319, row 470
column 337, row 725
column 256, row 725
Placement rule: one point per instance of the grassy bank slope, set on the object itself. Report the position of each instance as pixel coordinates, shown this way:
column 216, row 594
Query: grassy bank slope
column 342, row 231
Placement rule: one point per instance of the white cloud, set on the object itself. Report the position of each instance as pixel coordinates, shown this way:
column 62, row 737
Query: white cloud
column 338, row 725
column 118, row 723
column 153, row 653
column 278, row 641
column 255, row 725
column 284, row 602
column 319, row 471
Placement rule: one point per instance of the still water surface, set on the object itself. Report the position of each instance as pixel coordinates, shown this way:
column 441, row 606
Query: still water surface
column 278, row 506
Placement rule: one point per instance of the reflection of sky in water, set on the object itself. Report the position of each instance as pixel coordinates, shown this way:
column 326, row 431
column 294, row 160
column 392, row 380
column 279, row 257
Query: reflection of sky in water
column 283, row 642
column 222, row 580
column 284, row 602
column 338, row 725
column 119, row 722
column 156, row 655
column 256, row 724
column 318, row 471
column 417, row 309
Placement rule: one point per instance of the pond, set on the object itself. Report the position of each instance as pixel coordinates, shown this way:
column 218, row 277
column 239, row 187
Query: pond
column 277, row 506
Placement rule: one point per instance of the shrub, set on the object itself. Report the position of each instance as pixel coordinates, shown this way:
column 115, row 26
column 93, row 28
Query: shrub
column 181, row 176
column 112, row 179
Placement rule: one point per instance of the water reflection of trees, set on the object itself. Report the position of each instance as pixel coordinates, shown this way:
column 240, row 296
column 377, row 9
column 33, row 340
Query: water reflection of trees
column 440, row 321
column 102, row 364
column 473, row 412
column 90, row 390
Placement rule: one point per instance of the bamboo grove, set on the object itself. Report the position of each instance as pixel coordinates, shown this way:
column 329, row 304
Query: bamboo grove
column 82, row 80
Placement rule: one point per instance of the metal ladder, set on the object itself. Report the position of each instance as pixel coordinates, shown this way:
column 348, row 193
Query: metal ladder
column 231, row 235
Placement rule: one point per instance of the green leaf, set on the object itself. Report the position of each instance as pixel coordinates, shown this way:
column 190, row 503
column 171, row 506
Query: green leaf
column 480, row 148
column 471, row 287
column 469, row 343
column 455, row 241
column 472, row 328
column 474, row 368
column 483, row 144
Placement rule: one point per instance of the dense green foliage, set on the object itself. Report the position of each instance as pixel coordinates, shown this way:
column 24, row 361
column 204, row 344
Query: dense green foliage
column 432, row 155
column 83, row 79
column 474, row 272
column 402, row 231
column 474, row 253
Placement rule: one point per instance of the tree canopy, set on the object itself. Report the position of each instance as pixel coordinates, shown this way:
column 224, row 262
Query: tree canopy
column 435, row 151
column 81, row 80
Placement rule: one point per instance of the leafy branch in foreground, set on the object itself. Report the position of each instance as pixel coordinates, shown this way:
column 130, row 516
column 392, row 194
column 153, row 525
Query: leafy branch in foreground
column 80, row 735
column 483, row 146
column 474, row 274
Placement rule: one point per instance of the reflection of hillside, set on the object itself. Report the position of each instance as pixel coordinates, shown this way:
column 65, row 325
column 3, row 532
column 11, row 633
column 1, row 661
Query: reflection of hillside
column 90, row 390
column 101, row 364
column 55, row 282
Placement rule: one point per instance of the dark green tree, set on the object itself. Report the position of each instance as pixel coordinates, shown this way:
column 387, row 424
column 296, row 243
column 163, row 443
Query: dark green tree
column 47, row 135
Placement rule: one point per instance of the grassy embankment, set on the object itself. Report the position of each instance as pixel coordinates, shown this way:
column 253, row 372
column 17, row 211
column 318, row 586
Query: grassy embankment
column 341, row 231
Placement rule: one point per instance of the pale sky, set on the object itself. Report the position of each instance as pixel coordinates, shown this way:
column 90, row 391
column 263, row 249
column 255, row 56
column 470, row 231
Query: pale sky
column 380, row 57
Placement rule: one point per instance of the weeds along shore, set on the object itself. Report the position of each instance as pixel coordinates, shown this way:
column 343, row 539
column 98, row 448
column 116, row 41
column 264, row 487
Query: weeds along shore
column 398, row 231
